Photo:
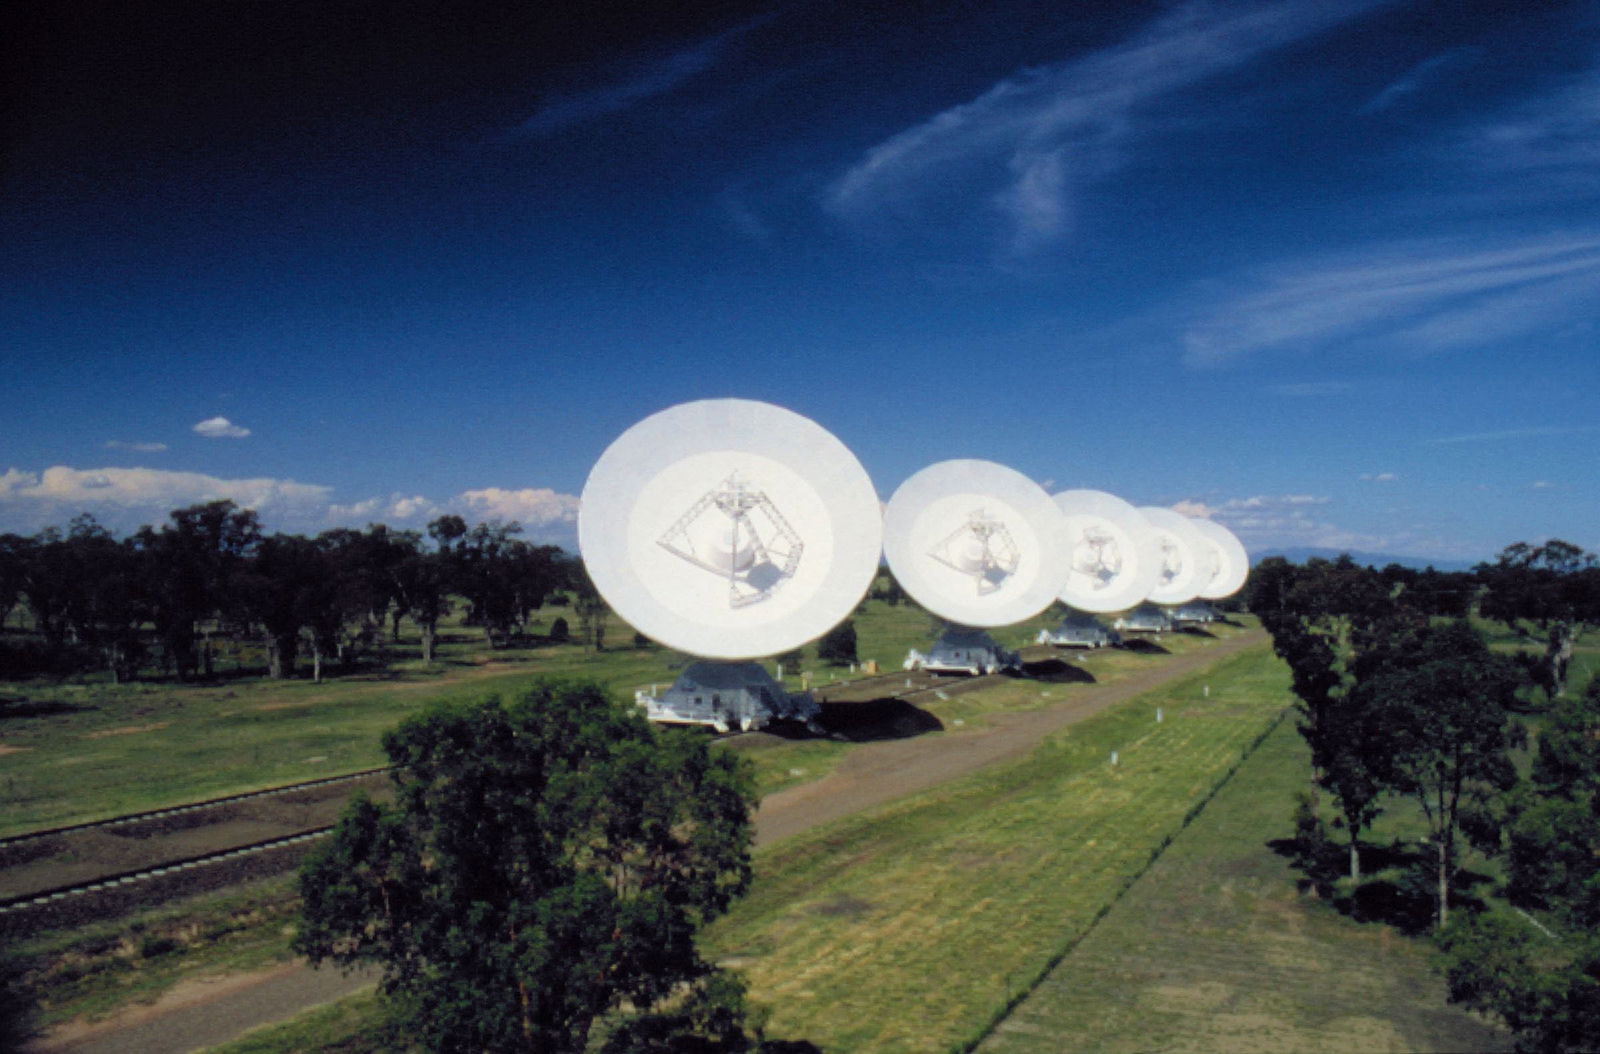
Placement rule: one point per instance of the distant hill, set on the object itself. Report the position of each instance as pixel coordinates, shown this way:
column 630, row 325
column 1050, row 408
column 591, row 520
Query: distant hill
column 1380, row 560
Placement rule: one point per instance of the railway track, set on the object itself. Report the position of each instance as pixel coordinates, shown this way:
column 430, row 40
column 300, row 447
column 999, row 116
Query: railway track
column 77, row 873
column 82, row 872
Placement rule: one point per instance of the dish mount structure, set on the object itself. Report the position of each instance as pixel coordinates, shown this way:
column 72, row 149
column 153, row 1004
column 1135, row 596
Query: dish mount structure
column 730, row 530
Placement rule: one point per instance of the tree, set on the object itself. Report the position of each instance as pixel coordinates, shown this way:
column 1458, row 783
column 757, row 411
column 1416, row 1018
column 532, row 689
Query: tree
column 542, row 863
column 838, row 645
column 194, row 561
column 1444, row 701
column 107, row 595
column 1550, row 999
column 286, row 572
column 422, row 592
column 589, row 606
column 1321, row 616
column 1556, row 586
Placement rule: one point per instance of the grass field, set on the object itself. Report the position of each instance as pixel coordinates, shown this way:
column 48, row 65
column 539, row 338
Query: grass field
column 1172, row 926
column 1216, row 948
column 83, row 749
column 908, row 929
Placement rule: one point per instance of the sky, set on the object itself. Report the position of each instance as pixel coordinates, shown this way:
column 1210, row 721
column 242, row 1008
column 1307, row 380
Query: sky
column 1325, row 271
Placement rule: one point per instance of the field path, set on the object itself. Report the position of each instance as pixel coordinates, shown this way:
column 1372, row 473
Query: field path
column 205, row 1013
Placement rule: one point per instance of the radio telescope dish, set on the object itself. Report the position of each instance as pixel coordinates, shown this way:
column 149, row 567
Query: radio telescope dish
column 1114, row 556
column 730, row 529
column 1187, row 563
column 976, row 543
column 1233, row 563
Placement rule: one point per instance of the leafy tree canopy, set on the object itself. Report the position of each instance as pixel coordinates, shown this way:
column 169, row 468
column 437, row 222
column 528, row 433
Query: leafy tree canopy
column 544, row 862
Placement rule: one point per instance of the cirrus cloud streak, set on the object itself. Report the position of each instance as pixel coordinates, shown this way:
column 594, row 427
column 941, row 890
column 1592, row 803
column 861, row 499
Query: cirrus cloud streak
column 1028, row 143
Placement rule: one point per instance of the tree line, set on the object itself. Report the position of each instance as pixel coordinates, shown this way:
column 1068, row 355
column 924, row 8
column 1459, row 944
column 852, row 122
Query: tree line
column 163, row 599
column 1401, row 697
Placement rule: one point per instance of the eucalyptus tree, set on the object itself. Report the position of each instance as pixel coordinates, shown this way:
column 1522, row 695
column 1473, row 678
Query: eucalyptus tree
column 195, row 563
column 1556, row 587
column 278, row 593
column 542, row 863
column 108, row 595
column 1543, row 982
column 1443, row 701
column 1320, row 615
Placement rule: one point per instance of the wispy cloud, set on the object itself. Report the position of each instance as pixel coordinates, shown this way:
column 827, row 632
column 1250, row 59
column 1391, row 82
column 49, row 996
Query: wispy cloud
column 1310, row 389
column 1265, row 521
column 138, row 448
column 1422, row 297
column 1510, row 434
column 220, row 428
column 1379, row 477
column 1025, row 146
column 1556, row 133
column 1421, row 75
column 648, row 80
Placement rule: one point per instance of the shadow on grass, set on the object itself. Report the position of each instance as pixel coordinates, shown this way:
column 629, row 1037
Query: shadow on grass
column 1055, row 671
column 11, row 708
column 876, row 719
column 1397, row 887
column 1197, row 631
column 1142, row 646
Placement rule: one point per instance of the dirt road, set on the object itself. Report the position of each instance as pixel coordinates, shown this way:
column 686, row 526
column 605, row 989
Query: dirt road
column 205, row 1013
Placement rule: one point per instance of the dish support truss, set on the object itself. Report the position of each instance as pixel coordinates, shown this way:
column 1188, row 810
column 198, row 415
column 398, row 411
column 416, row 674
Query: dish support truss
column 983, row 549
column 763, row 550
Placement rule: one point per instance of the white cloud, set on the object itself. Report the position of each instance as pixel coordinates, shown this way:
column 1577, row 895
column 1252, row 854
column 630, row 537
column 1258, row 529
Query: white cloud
column 1028, row 142
column 1542, row 484
column 127, row 498
column 1511, row 434
column 1310, row 389
column 1379, row 477
column 220, row 428
column 1264, row 521
column 535, row 508
column 1419, row 297
column 1198, row 509
column 385, row 510
column 138, row 448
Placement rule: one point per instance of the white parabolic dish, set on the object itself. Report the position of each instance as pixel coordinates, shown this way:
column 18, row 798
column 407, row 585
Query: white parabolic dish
column 1114, row 556
column 730, row 529
column 1233, row 563
column 976, row 543
column 1187, row 561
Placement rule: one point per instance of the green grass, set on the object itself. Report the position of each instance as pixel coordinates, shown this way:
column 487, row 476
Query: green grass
column 1216, row 948
column 908, row 928
column 91, row 971
column 347, row 1026
column 84, row 749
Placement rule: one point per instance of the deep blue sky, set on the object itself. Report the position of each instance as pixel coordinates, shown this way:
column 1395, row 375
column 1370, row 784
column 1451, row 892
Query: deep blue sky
column 1326, row 271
